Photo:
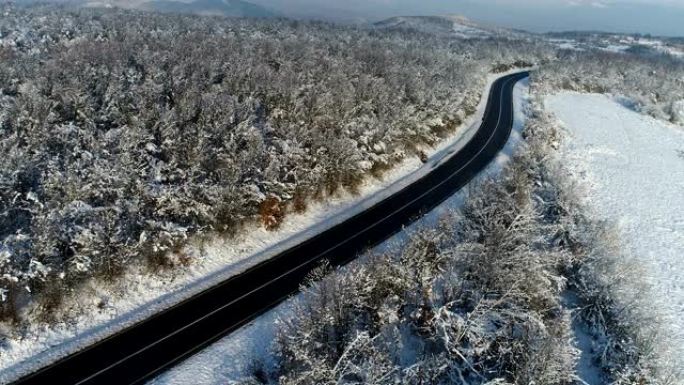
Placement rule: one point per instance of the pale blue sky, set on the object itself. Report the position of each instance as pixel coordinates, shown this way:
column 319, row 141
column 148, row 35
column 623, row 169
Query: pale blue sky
column 664, row 17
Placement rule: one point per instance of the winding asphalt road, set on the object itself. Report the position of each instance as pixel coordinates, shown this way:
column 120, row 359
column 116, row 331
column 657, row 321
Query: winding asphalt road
column 144, row 350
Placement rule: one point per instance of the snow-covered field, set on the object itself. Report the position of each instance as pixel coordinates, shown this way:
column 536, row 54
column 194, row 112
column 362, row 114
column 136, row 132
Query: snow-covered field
column 633, row 166
column 228, row 359
column 616, row 44
column 140, row 295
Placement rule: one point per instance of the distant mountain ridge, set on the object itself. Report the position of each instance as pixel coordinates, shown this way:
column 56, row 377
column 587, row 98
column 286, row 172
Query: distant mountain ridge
column 456, row 25
column 435, row 24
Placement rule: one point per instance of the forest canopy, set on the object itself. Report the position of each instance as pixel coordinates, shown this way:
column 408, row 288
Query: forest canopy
column 124, row 133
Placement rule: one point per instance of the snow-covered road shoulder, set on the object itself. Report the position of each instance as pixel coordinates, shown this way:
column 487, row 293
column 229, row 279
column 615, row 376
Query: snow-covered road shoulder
column 633, row 168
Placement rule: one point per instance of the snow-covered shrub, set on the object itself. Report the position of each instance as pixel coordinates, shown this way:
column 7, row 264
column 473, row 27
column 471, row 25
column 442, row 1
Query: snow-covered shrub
column 612, row 301
column 475, row 300
column 677, row 112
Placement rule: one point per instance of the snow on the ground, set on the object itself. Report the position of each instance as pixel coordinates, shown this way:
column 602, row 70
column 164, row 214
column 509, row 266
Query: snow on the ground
column 617, row 48
column 660, row 46
column 617, row 44
column 227, row 360
column 678, row 111
column 633, row 166
column 569, row 44
column 465, row 29
column 104, row 309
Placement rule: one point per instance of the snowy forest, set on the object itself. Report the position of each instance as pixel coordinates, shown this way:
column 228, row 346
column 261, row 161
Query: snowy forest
column 651, row 84
column 124, row 133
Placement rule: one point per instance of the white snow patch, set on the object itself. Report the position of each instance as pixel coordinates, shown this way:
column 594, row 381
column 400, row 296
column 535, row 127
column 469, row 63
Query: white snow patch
column 466, row 31
column 229, row 359
column 568, row 44
column 660, row 46
column 678, row 111
column 634, row 169
column 109, row 308
column 617, row 48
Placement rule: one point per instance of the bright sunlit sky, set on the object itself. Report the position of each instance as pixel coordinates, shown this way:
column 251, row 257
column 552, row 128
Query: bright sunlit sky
column 662, row 17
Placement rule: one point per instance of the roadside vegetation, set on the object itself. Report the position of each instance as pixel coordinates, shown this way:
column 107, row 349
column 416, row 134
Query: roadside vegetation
column 124, row 134
column 480, row 298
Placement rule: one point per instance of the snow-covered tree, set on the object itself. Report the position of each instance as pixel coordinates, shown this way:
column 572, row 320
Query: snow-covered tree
column 125, row 133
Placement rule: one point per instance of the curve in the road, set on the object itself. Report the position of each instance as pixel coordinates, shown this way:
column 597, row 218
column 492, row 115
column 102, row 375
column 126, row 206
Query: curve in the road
column 151, row 346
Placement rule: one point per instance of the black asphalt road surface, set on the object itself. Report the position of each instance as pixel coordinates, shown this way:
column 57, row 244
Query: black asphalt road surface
column 148, row 348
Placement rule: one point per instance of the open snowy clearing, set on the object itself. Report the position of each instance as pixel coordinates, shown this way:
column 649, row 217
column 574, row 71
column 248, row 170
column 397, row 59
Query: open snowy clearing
column 633, row 166
column 227, row 360
column 105, row 309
